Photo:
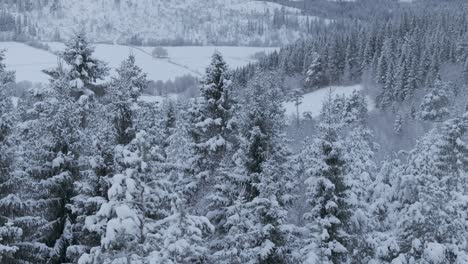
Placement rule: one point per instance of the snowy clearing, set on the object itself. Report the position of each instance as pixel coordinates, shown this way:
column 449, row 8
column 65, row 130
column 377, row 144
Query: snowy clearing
column 157, row 99
column 28, row 62
column 312, row 102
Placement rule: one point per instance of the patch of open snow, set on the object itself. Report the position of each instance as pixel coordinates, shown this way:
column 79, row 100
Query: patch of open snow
column 312, row 102
column 261, row 6
column 28, row 62
column 156, row 98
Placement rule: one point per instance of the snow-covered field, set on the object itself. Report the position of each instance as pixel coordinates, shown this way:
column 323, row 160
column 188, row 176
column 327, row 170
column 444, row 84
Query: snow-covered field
column 28, row 62
column 312, row 102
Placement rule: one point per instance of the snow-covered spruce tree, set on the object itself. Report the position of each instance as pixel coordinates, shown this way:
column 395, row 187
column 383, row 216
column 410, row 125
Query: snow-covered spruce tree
column 350, row 115
column 82, row 70
column 169, row 121
column 229, row 179
column 432, row 192
column 385, row 75
column 256, row 231
column 328, row 191
column 465, row 68
column 130, row 81
column 254, row 224
column 269, row 210
column 6, row 119
column 212, row 123
column 124, row 119
column 351, row 69
column 233, row 246
column 52, row 141
column 405, row 75
column 150, row 118
column 262, row 124
column 214, row 160
column 121, row 220
column 96, row 163
column 314, row 75
column 76, row 130
column 179, row 158
column 107, row 125
column 6, row 105
column 122, row 94
column 9, row 236
column 383, row 209
column 9, row 233
column 360, row 172
column 49, row 144
column 180, row 237
column 435, row 104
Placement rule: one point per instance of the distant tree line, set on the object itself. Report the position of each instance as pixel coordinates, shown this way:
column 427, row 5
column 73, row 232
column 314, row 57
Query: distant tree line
column 399, row 54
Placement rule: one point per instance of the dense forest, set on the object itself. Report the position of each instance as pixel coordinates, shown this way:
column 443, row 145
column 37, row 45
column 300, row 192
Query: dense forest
column 89, row 174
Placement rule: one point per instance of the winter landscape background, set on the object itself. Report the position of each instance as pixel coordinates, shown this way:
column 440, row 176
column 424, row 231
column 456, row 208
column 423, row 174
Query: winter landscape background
column 233, row 131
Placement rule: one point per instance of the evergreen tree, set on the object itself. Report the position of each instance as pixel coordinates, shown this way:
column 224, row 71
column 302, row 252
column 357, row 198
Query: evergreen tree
column 429, row 192
column 434, row 106
column 262, row 123
column 296, row 98
column 49, row 145
column 328, row 191
column 84, row 70
column 314, row 75
column 120, row 221
column 350, row 68
column 255, row 194
column 268, row 211
column 9, row 233
column 180, row 237
column 360, row 170
column 212, row 122
column 96, row 165
column 130, row 81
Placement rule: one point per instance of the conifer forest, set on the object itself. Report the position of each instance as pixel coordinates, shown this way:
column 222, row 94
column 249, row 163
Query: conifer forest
column 234, row 132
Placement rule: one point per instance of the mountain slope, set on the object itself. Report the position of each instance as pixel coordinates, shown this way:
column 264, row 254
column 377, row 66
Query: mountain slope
column 176, row 22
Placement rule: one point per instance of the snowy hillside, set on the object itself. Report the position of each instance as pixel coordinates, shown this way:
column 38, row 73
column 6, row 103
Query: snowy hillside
column 28, row 62
column 234, row 22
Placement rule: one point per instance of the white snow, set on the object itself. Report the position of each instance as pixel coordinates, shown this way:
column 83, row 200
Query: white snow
column 14, row 101
column 260, row 6
column 57, row 162
column 157, row 99
column 312, row 102
column 435, row 253
column 28, row 62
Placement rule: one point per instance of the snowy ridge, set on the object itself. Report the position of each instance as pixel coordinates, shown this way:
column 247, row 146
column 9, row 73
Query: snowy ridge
column 239, row 22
